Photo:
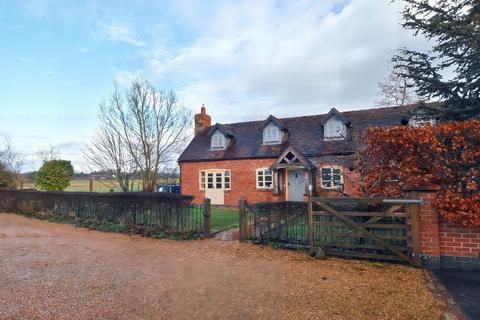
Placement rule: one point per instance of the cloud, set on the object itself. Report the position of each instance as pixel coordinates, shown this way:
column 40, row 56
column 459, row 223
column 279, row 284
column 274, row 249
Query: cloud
column 124, row 77
column 285, row 58
column 119, row 31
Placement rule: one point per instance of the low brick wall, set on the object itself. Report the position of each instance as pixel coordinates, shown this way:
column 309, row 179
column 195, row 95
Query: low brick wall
column 445, row 245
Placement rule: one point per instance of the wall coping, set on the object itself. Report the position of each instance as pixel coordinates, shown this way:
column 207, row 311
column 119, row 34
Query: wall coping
column 422, row 188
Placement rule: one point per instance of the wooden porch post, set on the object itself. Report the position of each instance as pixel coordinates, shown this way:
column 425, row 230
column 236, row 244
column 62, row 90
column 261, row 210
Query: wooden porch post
column 275, row 181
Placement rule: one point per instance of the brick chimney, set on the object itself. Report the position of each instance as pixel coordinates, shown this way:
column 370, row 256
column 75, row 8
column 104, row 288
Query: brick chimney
column 202, row 119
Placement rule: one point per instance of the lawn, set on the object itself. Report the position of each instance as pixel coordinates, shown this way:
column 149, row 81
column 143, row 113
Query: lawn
column 83, row 185
column 224, row 218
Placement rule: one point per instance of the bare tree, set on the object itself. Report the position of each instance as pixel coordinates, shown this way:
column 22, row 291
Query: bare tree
column 396, row 90
column 107, row 151
column 47, row 154
column 142, row 131
column 12, row 159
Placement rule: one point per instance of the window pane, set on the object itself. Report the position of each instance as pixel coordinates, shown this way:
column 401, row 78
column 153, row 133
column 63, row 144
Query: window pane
column 327, row 184
column 227, row 174
column 227, row 185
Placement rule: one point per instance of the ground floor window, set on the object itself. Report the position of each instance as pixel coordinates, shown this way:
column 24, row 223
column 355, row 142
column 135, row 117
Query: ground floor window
column 332, row 177
column 264, row 178
column 215, row 179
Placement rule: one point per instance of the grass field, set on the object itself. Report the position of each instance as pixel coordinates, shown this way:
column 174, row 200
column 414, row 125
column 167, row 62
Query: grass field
column 224, row 218
column 82, row 185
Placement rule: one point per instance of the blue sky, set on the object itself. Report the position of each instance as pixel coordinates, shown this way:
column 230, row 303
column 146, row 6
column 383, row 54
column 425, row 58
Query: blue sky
column 243, row 59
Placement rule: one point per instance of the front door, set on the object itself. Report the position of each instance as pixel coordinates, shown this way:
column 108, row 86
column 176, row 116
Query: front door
column 214, row 187
column 296, row 185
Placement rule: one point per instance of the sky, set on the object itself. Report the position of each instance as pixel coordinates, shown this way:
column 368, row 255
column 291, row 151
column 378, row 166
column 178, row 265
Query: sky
column 243, row 59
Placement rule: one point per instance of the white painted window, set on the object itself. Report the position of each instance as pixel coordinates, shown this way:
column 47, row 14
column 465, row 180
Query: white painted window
column 264, row 178
column 215, row 179
column 218, row 141
column 332, row 177
column 271, row 134
column 417, row 122
column 335, row 129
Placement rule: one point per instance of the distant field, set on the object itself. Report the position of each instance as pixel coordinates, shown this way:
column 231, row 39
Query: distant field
column 98, row 185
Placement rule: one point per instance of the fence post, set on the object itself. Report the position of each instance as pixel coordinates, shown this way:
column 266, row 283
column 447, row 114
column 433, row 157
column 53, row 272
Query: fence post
column 415, row 230
column 243, row 227
column 90, row 187
column 207, row 214
column 311, row 243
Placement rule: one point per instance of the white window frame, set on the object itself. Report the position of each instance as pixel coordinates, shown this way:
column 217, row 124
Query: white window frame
column 226, row 179
column 271, row 134
column 218, row 141
column 261, row 183
column 418, row 122
column 334, row 129
column 332, row 187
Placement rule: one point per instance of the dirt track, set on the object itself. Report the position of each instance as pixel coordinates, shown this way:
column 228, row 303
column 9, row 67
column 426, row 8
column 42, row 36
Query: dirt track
column 52, row 271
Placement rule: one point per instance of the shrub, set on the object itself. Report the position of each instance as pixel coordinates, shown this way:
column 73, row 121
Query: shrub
column 7, row 179
column 446, row 154
column 54, row 175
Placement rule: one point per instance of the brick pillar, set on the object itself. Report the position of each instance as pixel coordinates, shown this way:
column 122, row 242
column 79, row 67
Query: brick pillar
column 429, row 226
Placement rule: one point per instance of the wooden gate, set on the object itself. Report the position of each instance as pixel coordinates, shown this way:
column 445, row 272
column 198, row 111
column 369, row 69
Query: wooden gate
column 375, row 228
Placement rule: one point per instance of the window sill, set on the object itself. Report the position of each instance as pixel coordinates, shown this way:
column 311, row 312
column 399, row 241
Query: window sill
column 334, row 139
column 265, row 189
column 272, row 143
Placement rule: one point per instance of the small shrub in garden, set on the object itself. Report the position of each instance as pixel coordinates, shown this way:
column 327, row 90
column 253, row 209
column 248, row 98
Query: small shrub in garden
column 54, row 175
column 447, row 154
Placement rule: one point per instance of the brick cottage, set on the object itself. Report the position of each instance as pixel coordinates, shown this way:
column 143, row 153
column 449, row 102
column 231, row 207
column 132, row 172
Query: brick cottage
column 279, row 159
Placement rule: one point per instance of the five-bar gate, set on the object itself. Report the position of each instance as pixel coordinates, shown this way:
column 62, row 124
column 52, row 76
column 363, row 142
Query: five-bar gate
column 375, row 228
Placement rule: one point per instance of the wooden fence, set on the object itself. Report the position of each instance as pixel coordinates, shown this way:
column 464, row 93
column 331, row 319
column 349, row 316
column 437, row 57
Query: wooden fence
column 373, row 228
column 139, row 212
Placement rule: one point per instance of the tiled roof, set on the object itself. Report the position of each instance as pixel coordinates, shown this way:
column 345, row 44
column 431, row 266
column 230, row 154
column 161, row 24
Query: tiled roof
column 305, row 134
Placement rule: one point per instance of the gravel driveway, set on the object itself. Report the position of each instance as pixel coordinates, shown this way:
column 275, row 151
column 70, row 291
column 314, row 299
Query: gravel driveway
column 53, row 271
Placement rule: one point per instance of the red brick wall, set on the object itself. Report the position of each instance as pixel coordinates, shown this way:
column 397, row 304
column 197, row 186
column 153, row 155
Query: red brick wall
column 447, row 245
column 350, row 178
column 243, row 180
column 458, row 241
column 429, row 237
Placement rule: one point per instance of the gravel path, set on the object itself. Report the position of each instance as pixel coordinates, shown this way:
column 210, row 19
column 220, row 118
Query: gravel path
column 53, row 271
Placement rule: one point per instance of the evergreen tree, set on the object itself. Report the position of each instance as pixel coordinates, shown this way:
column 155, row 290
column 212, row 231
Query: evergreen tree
column 54, row 175
column 454, row 26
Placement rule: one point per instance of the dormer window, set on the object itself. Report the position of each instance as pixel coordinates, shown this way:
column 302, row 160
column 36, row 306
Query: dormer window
column 218, row 141
column 335, row 129
column 220, row 137
column 274, row 130
column 271, row 134
column 334, row 125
